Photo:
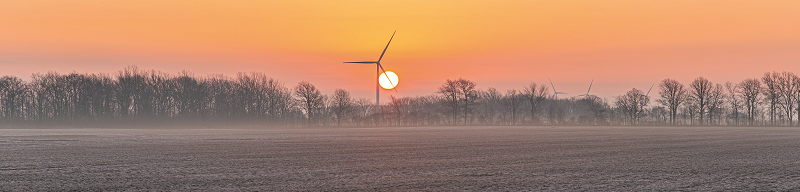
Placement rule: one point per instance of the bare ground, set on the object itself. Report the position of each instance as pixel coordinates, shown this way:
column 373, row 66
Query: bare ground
column 406, row 158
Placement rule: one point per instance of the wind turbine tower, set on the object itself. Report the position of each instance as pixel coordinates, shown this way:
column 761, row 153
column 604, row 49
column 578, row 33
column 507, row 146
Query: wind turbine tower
column 555, row 93
column 587, row 91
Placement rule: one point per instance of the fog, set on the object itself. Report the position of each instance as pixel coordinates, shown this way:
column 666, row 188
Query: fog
column 142, row 99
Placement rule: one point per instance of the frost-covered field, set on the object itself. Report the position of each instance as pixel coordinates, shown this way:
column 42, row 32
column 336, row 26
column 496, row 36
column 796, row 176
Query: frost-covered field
column 425, row 158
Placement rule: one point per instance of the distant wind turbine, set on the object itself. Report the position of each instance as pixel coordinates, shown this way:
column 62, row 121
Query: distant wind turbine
column 555, row 93
column 587, row 91
column 379, row 68
column 648, row 91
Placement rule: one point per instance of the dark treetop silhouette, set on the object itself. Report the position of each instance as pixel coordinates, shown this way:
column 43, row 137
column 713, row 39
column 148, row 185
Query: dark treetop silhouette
column 136, row 97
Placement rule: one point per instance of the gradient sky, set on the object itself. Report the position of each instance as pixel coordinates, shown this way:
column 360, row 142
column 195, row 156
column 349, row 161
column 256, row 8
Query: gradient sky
column 501, row 44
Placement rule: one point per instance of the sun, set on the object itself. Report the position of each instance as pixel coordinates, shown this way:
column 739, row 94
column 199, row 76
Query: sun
column 385, row 82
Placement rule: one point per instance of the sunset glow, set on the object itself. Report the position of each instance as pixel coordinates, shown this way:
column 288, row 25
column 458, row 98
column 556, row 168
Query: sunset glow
column 501, row 44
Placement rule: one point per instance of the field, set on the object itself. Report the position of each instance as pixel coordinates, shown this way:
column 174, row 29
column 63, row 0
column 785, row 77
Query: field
column 404, row 158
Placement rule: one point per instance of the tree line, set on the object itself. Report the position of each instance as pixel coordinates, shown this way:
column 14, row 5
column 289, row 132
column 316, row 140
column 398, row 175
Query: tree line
column 134, row 97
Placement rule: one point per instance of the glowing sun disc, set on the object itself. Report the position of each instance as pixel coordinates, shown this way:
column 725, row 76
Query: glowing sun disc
column 384, row 81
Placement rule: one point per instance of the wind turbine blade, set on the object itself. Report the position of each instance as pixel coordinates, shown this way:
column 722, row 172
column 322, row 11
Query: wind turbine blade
column 581, row 95
column 363, row 62
column 387, row 46
column 387, row 78
column 590, row 87
column 651, row 88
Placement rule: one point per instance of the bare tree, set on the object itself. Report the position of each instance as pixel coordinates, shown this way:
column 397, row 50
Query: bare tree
column 716, row 99
column 632, row 104
column 772, row 93
column 491, row 104
column 451, row 96
column 310, row 99
column 341, row 104
column 788, row 87
column 324, row 112
column 555, row 111
column 361, row 110
column 673, row 94
column 796, row 95
column 12, row 95
column 511, row 102
column 700, row 91
column 535, row 96
column 468, row 96
column 750, row 90
column 188, row 94
column 459, row 94
column 398, row 108
column 690, row 110
column 734, row 100
column 659, row 115
column 130, row 85
column 598, row 106
column 278, row 99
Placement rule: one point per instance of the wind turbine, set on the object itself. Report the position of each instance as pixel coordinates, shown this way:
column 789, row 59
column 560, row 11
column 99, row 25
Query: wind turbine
column 587, row 91
column 379, row 68
column 648, row 91
column 555, row 93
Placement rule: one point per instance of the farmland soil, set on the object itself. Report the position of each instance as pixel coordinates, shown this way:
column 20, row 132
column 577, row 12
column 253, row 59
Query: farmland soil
column 402, row 158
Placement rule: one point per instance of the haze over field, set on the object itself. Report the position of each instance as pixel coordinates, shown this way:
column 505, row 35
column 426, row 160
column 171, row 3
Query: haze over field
column 501, row 44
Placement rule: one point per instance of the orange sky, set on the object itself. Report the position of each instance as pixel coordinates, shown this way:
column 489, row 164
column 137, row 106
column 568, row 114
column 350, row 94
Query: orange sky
column 502, row 44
